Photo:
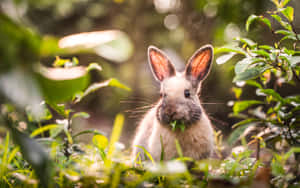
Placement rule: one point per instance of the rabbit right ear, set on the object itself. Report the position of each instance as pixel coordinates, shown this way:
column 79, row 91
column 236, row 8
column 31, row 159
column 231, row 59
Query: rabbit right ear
column 199, row 65
column 160, row 65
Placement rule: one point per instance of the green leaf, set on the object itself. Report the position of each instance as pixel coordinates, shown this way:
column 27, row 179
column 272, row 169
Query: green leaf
column 284, row 32
column 284, row 2
column 224, row 58
column 254, row 83
column 49, row 47
column 61, row 84
column 291, row 151
column 114, row 45
column 246, row 121
column 118, row 50
column 81, row 114
column 43, row 129
column 100, row 141
column 242, row 65
column 270, row 92
column 276, row 2
column 18, row 45
column 266, row 21
column 94, row 66
column 237, row 92
column 94, row 87
column 290, row 37
column 252, row 18
column 294, row 60
column 56, row 131
column 249, row 21
column 227, row 49
column 287, row 35
column 262, row 53
column 71, row 174
column 115, row 83
column 89, row 131
column 277, row 168
column 282, row 23
column 240, row 106
column 246, row 41
column 68, row 134
column 45, row 114
column 288, row 12
column 36, row 156
column 235, row 135
column 59, row 108
column 250, row 73
column 266, row 47
column 20, row 88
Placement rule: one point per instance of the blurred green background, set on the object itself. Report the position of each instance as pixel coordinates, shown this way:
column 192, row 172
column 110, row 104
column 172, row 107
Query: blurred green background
column 178, row 27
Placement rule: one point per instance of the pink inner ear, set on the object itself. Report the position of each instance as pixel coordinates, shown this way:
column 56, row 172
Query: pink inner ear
column 200, row 64
column 160, row 65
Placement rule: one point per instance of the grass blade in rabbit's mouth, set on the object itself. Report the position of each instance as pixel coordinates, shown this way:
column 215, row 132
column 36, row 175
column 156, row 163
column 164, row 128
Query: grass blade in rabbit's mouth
column 177, row 124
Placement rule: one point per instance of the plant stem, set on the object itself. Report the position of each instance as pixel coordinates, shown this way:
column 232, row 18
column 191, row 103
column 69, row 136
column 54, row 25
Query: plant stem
column 257, row 149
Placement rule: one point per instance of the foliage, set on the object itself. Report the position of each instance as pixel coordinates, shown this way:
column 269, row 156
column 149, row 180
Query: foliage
column 268, row 69
column 38, row 112
column 34, row 95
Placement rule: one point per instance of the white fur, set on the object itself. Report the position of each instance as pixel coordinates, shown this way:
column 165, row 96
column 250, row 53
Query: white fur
column 196, row 141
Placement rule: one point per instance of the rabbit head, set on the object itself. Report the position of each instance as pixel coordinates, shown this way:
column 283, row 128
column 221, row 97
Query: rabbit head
column 179, row 99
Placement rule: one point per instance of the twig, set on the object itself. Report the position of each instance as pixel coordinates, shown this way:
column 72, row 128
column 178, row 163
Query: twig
column 257, row 149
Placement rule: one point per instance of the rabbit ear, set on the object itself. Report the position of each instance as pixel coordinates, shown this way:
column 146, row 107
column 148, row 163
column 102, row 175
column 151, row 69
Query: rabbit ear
column 160, row 65
column 199, row 65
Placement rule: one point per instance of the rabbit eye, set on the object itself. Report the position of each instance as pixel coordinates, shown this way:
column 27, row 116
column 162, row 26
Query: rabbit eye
column 187, row 93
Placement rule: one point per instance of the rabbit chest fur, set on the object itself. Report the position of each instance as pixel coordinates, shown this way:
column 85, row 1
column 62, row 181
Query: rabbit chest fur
column 179, row 102
column 196, row 141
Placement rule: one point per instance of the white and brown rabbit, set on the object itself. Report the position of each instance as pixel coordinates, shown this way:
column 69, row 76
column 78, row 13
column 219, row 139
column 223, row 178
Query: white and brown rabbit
column 179, row 101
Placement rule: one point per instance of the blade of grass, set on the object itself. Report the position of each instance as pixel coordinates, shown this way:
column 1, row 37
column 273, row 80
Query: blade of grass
column 12, row 154
column 147, row 154
column 115, row 135
column 116, row 177
column 162, row 149
column 178, row 148
column 5, row 155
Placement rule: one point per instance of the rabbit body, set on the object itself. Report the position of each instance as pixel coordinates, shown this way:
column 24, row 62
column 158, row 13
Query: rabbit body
column 179, row 102
column 196, row 142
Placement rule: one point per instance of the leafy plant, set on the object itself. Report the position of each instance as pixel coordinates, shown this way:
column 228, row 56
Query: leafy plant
column 31, row 94
column 268, row 68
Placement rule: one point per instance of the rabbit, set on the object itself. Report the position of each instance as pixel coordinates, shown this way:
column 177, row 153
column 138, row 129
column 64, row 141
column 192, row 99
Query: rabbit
column 179, row 101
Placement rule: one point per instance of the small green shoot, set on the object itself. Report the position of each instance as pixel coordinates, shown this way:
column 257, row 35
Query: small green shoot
column 177, row 124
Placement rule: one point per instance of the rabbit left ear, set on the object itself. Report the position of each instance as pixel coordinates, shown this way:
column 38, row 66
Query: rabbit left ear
column 199, row 65
column 160, row 65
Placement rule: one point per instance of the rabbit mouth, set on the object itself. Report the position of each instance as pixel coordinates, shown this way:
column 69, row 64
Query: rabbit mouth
column 188, row 119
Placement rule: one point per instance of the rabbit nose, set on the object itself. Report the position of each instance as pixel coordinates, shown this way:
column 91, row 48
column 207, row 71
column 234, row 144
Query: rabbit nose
column 171, row 113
